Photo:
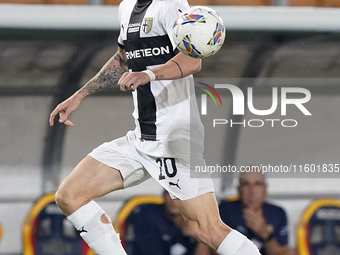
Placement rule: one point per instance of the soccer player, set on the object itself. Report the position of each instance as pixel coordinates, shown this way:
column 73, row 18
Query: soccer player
column 167, row 126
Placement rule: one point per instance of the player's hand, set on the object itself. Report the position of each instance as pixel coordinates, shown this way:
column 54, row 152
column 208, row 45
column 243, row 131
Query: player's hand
column 256, row 222
column 131, row 80
column 64, row 110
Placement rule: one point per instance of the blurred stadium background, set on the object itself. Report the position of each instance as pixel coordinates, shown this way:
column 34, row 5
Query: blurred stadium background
column 49, row 48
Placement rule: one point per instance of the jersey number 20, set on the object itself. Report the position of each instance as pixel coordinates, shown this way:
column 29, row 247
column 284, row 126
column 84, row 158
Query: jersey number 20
column 164, row 163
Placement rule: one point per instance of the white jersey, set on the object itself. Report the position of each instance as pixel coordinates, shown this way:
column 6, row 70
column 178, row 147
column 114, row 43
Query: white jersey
column 167, row 109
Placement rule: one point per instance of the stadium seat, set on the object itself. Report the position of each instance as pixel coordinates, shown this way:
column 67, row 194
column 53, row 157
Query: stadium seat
column 232, row 198
column 46, row 231
column 318, row 3
column 22, row 1
column 201, row 2
column 1, row 232
column 318, row 231
column 111, row 2
column 331, row 3
column 127, row 208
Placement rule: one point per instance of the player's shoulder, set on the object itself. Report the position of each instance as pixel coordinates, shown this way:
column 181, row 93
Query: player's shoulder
column 169, row 3
column 126, row 3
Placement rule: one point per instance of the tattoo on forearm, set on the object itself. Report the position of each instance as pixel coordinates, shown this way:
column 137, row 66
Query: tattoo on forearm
column 159, row 77
column 106, row 78
column 120, row 60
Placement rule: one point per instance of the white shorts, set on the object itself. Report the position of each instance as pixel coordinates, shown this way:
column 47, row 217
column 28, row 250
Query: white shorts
column 167, row 162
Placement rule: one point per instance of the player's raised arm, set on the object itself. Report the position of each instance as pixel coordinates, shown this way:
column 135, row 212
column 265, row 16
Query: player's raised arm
column 177, row 67
column 106, row 77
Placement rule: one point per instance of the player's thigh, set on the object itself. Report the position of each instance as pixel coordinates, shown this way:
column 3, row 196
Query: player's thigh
column 91, row 179
column 202, row 208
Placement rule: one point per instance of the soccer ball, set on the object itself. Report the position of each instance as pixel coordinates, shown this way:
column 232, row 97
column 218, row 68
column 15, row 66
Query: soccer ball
column 199, row 32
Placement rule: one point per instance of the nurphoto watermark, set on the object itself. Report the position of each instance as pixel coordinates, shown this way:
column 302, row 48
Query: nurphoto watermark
column 286, row 126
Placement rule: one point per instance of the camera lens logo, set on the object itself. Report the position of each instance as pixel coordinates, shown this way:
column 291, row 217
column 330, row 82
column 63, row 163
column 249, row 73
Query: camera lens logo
column 204, row 97
column 240, row 101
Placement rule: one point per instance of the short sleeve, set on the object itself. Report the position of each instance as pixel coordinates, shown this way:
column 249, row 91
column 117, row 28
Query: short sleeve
column 120, row 40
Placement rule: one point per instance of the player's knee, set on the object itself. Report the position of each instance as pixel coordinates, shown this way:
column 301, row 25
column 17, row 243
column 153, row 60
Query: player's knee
column 69, row 200
column 63, row 198
column 59, row 198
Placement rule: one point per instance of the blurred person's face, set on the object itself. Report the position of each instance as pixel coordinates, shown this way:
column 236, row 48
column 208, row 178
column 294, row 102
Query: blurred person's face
column 252, row 190
column 175, row 216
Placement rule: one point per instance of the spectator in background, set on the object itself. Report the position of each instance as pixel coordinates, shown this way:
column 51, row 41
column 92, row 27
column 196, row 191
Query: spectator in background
column 263, row 223
column 157, row 229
